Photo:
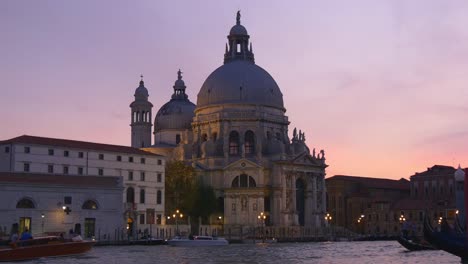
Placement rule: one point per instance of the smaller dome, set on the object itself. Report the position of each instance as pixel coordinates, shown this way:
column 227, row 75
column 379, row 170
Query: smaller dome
column 238, row 30
column 179, row 83
column 459, row 174
column 141, row 92
column 175, row 115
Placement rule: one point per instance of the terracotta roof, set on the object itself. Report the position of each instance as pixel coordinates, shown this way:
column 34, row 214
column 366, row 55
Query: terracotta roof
column 57, row 179
column 401, row 184
column 67, row 143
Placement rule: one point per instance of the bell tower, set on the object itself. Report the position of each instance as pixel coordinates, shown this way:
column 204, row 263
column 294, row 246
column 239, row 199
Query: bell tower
column 141, row 117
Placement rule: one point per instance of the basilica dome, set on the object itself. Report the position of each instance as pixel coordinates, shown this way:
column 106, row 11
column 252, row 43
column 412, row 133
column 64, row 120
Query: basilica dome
column 240, row 80
column 176, row 114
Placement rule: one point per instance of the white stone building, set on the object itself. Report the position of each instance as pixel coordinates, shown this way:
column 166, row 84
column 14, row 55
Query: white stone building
column 142, row 172
column 54, row 204
column 236, row 136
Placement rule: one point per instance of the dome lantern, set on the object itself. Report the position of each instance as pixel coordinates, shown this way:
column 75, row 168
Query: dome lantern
column 238, row 47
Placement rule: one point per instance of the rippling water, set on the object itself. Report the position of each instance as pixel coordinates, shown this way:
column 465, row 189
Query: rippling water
column 315, row 252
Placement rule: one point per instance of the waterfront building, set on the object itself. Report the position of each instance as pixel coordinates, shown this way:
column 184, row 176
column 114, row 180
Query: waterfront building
column 55, row 203
column 236, row 136
column 141, row 172
column 436, row 187
column 366, row 205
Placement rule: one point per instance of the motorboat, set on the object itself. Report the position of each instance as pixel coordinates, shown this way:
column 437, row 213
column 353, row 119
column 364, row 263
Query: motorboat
column 148, row 241
column 197, row 241
column 43, row 247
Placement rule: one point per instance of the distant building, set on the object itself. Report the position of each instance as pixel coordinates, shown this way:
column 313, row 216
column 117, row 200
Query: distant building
column 365, row 205
column 434, row 190
column 54, row 204
column 142, row 173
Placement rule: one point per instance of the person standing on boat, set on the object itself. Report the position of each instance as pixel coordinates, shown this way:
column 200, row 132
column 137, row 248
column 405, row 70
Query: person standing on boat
column 26, row 235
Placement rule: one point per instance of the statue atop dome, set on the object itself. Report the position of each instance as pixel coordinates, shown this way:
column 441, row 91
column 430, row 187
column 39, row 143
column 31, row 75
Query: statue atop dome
column 238, row 17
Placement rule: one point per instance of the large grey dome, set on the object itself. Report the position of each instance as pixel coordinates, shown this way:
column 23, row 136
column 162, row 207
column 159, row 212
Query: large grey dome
column 240, row 81
column 175, row 114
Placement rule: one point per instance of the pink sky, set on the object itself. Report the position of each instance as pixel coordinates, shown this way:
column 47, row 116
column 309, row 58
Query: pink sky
column 382, row 86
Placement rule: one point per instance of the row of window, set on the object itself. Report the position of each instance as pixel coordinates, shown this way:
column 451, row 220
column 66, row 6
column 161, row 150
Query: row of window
column 66, row 153
column 27, row 203
column 130, row 196
column 80, row 171
column 142, row 219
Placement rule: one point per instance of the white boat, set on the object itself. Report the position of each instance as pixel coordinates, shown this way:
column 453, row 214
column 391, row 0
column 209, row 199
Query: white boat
column 198, row 241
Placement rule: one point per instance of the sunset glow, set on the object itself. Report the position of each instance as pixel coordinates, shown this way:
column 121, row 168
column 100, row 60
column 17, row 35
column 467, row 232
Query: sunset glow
column 381, row 86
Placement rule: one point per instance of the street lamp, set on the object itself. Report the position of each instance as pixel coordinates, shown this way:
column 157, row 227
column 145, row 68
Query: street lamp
column 360, row 222
column 42, row 224
column 328, row 218
column 176, row 216
column 261, row 217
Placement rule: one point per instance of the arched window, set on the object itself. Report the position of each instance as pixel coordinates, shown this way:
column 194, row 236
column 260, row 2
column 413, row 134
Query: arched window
column 142, row 196
column 235, row 182
column 25, row 203
column 234, row 143
column 204, row 137
column 159, row 197
column 130, row 195
column 252, row 182
column 243, row 181
column 177, row 139
column 90, row 205
column 249, row 142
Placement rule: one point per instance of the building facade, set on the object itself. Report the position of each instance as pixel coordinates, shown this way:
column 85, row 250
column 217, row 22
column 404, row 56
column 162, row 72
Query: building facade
column 237, row 138
column 54, row 204
column 366, row 205
column 142, row 173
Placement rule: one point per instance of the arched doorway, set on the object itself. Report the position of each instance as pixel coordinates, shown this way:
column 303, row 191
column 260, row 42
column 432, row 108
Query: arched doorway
column 300, row 200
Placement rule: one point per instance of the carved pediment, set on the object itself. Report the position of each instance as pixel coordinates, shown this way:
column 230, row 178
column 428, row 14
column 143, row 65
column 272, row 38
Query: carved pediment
column 305, row 159
column 242, row 164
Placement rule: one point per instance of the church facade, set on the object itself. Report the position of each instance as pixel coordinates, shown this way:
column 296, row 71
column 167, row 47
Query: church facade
column 236, row 137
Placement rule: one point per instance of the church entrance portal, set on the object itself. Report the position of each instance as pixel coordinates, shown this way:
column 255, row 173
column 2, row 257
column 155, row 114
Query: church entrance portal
column 300, row 200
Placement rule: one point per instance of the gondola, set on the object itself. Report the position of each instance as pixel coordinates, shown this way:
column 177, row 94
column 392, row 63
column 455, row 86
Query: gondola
column 450, row 241
column 413, row 246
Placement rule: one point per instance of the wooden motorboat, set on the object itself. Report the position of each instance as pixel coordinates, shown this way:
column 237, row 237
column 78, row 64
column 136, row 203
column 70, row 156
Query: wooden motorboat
column 198, row 241
column 43, row 247
column 411, row 245
column 452, row 242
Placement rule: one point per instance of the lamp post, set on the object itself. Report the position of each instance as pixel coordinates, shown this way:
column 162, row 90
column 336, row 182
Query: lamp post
column 402, row 220
column 261, row 217
column 176, row 216
column 360, row 222
column 42, row 224
column 328, row 218
column 220, row 220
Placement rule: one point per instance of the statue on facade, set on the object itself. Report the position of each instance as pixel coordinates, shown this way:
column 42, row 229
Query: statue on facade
column 294, row 134
column 313, row 153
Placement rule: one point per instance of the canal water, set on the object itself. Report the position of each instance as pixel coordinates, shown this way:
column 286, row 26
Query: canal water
column 380, row 252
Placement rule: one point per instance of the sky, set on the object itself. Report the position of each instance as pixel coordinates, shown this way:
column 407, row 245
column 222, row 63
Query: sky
column 380, row 85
